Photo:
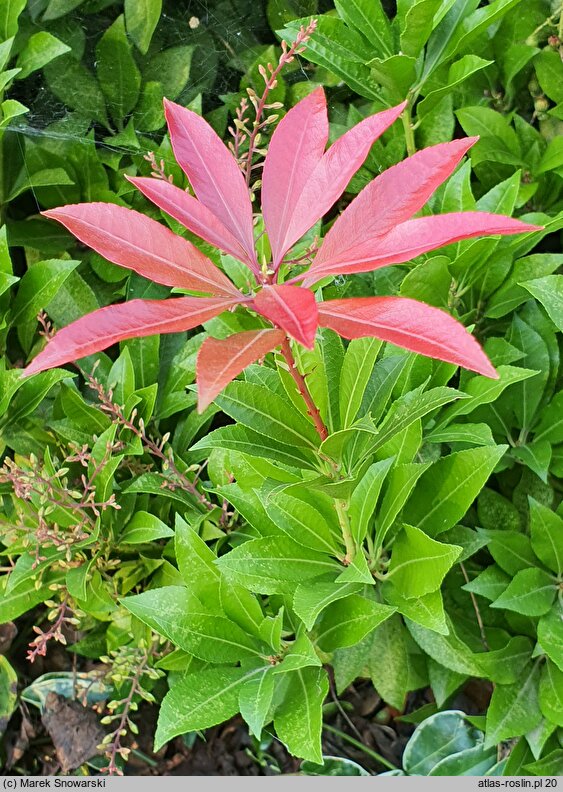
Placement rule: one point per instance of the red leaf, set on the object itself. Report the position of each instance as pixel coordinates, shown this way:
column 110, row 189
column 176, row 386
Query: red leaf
column 220, row 361
column 132, row 240
column 409, row 324
column 212, row 171
column 331, row 176
column 106, row 326
column 388, row 200
column 187, row 210
column 292, row 308
column 295, row 150
column 413, row 237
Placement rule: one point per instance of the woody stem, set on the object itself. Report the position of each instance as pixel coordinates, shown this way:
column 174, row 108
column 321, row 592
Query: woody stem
column 299, row 380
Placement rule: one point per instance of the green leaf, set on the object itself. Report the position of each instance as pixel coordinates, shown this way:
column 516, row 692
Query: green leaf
column 483, row 390
column 194, row 558
column 459, row 71
column 550, row 634
column 255, row 699
column 437, row 738
column 400, row 483
column 550, row 426
column 49, row 177
column 419, row 563
column 175, row 613
column 8, row 692
column 531, row 593
column 142, row 18
column 241, row 606
column 384, row 377
column 506, row 665
column 411, row 407
column 511, row 294
column 389, row 661
column 494, row 510
column 59, row 8
column 551, row 693
column 347, row 621
column 512, row 551
column 40, row 49
column 549, row 291
column 310, row 599
column 247, row 441
column 427, row 610
column 32, row 391
column 144, row 527
column 416, row 22
column 549, row 765
column 536, row 456
column 340, row 50
column 498, row 143
column 300, row 654
column 118, row 74
column 267, row 413
column 552, row 158
column 546, row 529
column 9, row 13
column 514, row 709
column 490, row 583
column 331, row 352
column 269, row 565
column 397, row 74
column 448, row 650
column 333, row 766
column 301, row 523
column 445, row 492
column 171, row 68
column 76, row 86
column 355, row 373
column 548, row 71
column 200, row 700
column 298, row 718
column 369, row 19
column 364, row 499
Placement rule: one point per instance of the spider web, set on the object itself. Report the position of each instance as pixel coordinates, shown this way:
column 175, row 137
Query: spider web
column 224, row 37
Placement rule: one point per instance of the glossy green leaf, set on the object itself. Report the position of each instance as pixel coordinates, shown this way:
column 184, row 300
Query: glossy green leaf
column 255, row 699
column 310, row 599
column 550, row 634
column 347, row 621
column 436, row 738
column 546, row 527
column 419, row 563
column 298, row 719
column 267, row 413
column 8, row 692
column 551, row 693
column 364, row 498
column 355, row 373
column 531, row 592
column 145, row 527
column 369, row 19
column 270, row 565
column 40, row 49
column 141, row 17
column 117, row 72
column 514, row 709
column 549, row 291
column 200, row 700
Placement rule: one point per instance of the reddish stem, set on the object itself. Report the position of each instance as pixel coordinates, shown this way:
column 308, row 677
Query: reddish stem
column 299, row 380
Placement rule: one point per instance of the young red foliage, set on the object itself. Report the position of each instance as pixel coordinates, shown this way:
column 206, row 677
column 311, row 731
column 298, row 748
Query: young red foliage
column 409, row 324
column 220, row 360
column 300, row 183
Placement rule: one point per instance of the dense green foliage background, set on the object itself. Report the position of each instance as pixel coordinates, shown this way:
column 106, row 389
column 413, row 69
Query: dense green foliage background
column 471, row 467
